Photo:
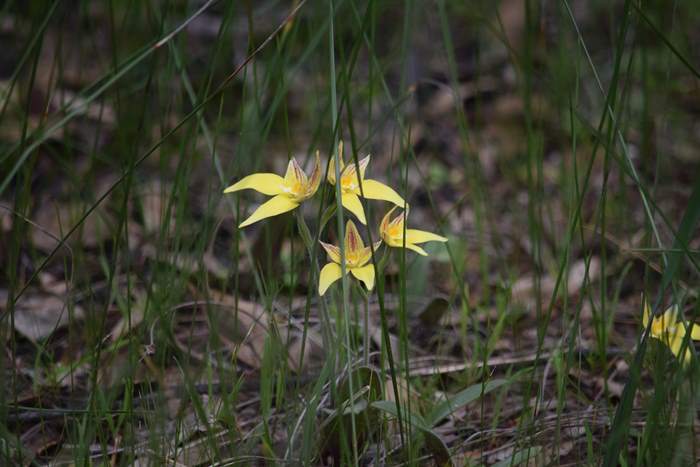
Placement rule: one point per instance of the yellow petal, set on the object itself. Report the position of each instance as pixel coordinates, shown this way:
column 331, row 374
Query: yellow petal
column 365, row 274
column 315, row 179
column 687, row 355
column 420, row 236
column 331, row 165
column 295, row 174
column 373, row 189
column 393, row 230
column 384, row 225
column 367, row 253
column 695, row 331
column 330, row 273
column 277, row 205
column 676, row 345
column 668, row 319
column 396, row 242
column 363, row 166
column 333, row 252
column 266, row 183
column 353, row 240
column 350, row 176
column 331, row 171
column 352, row 203
column 417, row 249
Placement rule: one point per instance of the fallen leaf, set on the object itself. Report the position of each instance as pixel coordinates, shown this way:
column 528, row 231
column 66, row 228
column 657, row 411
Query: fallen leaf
column 312, row 349
column 190, row 264
column 138, row 311
column 154, row 197
column 523, row 289
column 509, row 456
column 5, row 218
column 38, row 316
column 40, row 438
column 56, row 220
column 51, row 284
column 242, row 327
column 434, row 311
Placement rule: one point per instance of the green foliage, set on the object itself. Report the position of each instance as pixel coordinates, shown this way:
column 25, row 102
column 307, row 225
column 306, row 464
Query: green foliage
column 554, row 144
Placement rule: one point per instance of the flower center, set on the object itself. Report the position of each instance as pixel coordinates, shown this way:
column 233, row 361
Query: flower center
column 396, row 231
column 348, row 183
column 296, row 189
column 352, row 258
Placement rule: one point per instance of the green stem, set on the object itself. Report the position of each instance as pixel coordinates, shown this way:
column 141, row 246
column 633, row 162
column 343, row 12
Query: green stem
column 382, row 262
column 683, row 452
column 305, row 233
column 306, row 237
column 365, row 328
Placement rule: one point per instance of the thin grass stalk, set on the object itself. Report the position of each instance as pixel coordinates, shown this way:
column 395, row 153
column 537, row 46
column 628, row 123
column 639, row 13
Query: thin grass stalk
column 366, row 338
column 341, row 232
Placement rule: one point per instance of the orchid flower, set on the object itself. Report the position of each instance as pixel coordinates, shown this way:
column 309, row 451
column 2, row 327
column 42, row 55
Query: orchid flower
column 287, row 193
column 670, row 331
column 392, row 232
column 357, row 255
column 350, row 179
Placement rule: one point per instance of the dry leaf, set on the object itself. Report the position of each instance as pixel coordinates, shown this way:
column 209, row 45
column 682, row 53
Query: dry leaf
column 5, row 219
column 58, row 220
column 523, row 289
column 242, row 328
column 138, row 311
column 154, row 203
column 252, row 322
column 191, row 263
column 40, row 438
column 313, row 348
column 38, row 316
column 51, row 284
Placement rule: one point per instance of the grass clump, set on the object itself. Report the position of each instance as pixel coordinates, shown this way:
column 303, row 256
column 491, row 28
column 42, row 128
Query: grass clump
column 539, row 308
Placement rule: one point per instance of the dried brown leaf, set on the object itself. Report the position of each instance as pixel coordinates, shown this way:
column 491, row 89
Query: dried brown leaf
column 127, row 323
column 312, row 349
column 38, row 316
column 154, row 204
column 523, row 289
column 58, row 219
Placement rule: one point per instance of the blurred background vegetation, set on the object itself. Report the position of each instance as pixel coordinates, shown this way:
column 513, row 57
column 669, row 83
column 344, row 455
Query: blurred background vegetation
column 554, row 143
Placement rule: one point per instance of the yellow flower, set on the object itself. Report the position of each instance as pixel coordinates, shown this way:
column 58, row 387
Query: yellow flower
column 670, row 331
column 392, row 232
column 288, row 192
column 356, row 257
column 350, row 178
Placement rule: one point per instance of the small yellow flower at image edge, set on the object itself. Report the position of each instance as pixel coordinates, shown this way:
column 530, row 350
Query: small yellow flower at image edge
column 287, row 192
column 392, row 233
column 667, row 329
column 350, row 180
column 357, row 255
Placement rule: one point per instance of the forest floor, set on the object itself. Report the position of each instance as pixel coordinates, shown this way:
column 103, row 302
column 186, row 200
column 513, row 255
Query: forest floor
column 554, row 144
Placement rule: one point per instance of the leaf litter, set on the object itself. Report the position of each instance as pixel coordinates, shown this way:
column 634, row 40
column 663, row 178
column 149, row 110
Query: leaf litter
column 216, row 349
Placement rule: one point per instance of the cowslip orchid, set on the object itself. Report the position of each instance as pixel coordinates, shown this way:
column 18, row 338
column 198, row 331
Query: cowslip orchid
column 350, row 178
column 392, row 233
column 287, row 192
column 357, row 255
column 670, row 331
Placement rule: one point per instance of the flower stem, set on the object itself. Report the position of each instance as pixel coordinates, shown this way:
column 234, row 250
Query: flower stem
column 365, row 328
column 306, row 237
column 305, row 233
column 382, row 262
